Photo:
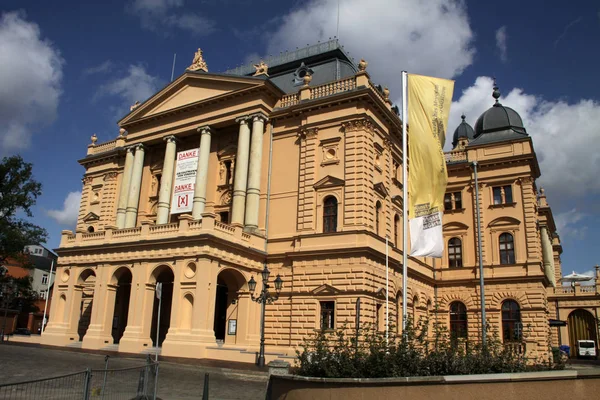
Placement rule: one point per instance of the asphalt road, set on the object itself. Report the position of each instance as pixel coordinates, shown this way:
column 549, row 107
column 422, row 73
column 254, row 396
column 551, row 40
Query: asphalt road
column 176, row 381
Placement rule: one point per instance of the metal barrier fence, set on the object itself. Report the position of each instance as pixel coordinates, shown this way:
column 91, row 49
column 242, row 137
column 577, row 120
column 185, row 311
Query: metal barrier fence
column 99, row 384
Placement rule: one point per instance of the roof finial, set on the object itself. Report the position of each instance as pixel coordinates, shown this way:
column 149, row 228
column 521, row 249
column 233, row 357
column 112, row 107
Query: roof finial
column 463, row 117
column 496, row 92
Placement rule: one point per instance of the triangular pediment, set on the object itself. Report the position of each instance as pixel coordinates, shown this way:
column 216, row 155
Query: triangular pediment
column 380, row 293
column 380, row 189
column 90, row 217
column 328, row 182
column 191, row 88
column 326, row 289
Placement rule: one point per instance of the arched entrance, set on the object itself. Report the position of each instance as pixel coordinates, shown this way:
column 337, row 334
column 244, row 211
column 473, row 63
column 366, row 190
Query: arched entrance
column 164, row 275
column 87, row 281
column 582, row 326
column 123, row 278
column 229, row 282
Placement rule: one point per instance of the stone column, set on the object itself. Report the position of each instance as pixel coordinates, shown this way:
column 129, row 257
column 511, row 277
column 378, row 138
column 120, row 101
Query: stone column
column 253, row 192
column 134, row 188
column 201, row 173
column 166, row 181
column 124, row 193
column 547, row 255
column 241, row 173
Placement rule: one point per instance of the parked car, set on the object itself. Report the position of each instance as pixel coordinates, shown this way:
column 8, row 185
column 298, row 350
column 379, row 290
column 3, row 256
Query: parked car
column 22, row 331
column 586, row 348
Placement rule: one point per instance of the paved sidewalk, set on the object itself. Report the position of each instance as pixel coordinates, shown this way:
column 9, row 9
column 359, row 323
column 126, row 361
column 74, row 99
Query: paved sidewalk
column 176, row 380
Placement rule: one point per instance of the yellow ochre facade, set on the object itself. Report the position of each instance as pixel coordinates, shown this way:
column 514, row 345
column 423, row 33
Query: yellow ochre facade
column 299, row 166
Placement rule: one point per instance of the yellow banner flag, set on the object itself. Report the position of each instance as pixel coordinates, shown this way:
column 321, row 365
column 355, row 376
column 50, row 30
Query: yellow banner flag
column 429, row 102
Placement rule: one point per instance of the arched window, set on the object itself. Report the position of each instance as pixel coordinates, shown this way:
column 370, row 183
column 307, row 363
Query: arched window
column 396, row 227
column 511, row 321
column 455, row 253
column 330, row 213
column 377, row 215
column 458, row 320
column 507, row 249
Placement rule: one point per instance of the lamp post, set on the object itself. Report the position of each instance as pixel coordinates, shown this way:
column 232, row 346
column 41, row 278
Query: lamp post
column 264, row 298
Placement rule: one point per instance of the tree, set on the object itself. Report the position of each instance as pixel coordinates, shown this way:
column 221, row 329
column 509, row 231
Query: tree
column 18, row 193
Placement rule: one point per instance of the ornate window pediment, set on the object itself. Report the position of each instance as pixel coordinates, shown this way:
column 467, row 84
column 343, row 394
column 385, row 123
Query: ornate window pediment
column 504, row 221
column 380, row 293
column 326, row 290
column 329, row 182
column 455, row 226
column 381, row 190
column 91, row 217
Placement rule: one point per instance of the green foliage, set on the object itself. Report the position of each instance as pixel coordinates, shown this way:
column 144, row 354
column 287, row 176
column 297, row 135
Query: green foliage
column 18, row 193
column 416, row 353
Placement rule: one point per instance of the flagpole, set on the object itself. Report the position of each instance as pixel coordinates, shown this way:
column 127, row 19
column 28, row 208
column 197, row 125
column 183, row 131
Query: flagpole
column 159, row 293
column 47, row 296
column 404, row 198
column 387, row 285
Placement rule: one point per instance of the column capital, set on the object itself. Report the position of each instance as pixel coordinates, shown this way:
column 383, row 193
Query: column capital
column 138, row 146
column 258, row 116
column 129, row 149
column 242, row 120
column 170, row 139
column 204, row 130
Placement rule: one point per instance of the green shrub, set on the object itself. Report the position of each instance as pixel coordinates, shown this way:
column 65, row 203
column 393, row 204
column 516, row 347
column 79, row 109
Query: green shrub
column 416, row 353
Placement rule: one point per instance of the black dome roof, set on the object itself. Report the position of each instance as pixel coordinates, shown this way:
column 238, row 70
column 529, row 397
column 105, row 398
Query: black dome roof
column 498, row 123
column 462, row 130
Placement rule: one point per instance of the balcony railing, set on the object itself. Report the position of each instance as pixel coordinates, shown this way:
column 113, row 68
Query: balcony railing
column 576, row 290
column 185, row 227
column 456, row 156
column 330, row 88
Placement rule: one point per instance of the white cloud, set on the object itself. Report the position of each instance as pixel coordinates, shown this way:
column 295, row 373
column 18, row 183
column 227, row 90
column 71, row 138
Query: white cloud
column 70, row 211
column 135, row 85
column 158, row 15
column 565, row 136
column 567, row 224
column 31, row 74
column 425, row 37
column 501, row 38
column 566, row 29
column 106, row 66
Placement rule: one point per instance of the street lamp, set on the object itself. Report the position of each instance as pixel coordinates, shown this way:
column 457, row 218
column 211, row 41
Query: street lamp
column 264, row 298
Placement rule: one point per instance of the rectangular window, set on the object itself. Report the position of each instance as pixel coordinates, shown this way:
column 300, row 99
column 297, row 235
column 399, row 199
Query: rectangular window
column 327, row 315
column 44, row 279
column 448, row 201
column 497, row 195
column 457, row 201
column 502, row 195
column 43, row 294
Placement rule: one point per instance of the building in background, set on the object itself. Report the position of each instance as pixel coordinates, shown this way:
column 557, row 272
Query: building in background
column 294, row 163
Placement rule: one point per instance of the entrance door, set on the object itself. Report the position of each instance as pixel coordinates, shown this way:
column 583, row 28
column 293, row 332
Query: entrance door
column 221, row 310
column 582, row 326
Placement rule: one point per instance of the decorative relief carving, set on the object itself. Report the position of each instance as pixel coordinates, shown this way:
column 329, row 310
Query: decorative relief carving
column 110, row 176
column 308, row 133
column 86, row 180
column 357, row 125
column 226, row 198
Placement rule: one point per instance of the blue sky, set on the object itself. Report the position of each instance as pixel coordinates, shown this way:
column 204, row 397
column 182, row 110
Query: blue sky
column 71, row 69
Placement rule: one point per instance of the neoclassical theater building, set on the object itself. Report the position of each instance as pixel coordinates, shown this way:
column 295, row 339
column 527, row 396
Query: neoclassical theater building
column 297, row 165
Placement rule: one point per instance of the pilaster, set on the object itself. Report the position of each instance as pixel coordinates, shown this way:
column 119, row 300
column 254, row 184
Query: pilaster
column 307, row 176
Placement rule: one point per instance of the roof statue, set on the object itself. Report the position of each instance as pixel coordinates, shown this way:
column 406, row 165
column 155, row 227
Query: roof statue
column 134, row 106
column 94, row 139
column 261, row 68
column 198, row 63
column 362, row 65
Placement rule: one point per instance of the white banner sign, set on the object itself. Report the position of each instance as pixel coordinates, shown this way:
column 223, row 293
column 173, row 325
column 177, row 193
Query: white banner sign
column 185, row 179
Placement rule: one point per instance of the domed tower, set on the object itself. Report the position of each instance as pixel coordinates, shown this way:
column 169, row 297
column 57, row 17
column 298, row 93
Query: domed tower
column 498, row 124
column 463, row 134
